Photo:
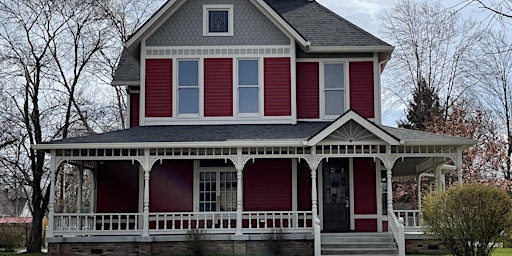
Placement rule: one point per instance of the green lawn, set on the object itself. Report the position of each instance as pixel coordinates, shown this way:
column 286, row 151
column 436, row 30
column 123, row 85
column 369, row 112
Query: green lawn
column 497, row 252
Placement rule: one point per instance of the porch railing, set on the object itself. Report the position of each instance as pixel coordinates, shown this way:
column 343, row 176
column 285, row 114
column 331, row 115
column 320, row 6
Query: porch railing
column 97, row 224
column 412, row 219
column 396, row 227
column 180, row 222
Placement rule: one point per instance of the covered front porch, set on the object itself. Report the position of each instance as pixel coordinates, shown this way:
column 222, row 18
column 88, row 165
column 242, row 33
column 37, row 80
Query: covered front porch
column 367, row 155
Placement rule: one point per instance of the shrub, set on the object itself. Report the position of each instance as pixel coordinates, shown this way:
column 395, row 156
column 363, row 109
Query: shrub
column 274, row 241
column 11, row 237
column 196, row 242
column 468, row 220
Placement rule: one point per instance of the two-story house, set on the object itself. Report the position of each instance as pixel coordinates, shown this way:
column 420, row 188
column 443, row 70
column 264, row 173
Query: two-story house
column 247, row 117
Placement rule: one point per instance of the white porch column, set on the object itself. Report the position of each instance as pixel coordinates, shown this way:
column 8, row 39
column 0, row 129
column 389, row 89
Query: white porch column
column 51, row 203
column 459, row 165
column 313, row 162
column 146, row 166
column 239, row 165
column 390, row 189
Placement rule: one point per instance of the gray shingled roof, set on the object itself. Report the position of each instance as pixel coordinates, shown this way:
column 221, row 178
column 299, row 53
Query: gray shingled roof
column 245, row 132
column 321, row 26
column 127, row 71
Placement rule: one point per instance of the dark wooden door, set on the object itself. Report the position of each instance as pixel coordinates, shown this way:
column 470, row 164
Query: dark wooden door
column 336, row 204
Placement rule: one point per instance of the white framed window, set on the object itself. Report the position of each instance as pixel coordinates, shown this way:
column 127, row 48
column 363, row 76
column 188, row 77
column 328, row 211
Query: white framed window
column 188, row 87
column 216, row 189
column 218, row 20
column 333, row 89
column 248, row 87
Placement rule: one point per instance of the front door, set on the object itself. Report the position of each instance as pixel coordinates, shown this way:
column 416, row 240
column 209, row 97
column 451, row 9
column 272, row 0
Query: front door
column 336, row 203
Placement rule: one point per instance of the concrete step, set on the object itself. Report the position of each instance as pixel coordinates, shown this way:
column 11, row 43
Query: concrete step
column 358, row 244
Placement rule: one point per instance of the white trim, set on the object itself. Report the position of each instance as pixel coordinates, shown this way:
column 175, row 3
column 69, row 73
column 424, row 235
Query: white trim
column 247, row 119
column 351, row 192
column 195, row 186
column 319, row 60
column 294, row 185
column 377, row 108
column 293, row 81
column 142, row 95
column 231, row 51
column 351, row 115
column 217, row 7
column 128, row 117
column 365, row 216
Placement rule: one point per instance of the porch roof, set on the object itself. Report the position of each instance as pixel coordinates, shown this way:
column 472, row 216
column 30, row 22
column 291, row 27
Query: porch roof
column 234, row 136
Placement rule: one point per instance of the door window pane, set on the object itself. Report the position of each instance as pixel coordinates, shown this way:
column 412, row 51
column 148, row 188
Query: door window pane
column 217, row 191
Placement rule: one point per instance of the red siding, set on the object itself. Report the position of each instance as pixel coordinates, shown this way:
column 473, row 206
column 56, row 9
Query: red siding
column 218, row 87
column 118, row 187
column 361, row 88
column 268, row 185
column 384, row 226
column 307, row 90
column 134, row 109
column 365, row 199
column 158, row 88
column 303, row 186
column 278, row 88
column 171, row 186
column 366, row 225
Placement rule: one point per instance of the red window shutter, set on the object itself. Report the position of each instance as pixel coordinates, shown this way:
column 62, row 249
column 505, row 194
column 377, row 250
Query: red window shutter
column 277, row 87
column 307, row 90
column 218, row 87
column 362, row 89
column 158, row 88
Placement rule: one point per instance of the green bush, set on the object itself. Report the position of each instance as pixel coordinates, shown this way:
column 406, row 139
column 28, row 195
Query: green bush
column 11, row 238
column 274, row 241
column 196, row 242
column 468, row 220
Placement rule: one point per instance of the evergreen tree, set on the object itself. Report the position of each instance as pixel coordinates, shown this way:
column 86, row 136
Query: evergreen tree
column 423, row 107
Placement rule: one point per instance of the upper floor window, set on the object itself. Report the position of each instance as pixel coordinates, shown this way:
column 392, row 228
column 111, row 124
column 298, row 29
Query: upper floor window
column 248, row 87
column 217, row 20
column 188, row 87
column 333, row 89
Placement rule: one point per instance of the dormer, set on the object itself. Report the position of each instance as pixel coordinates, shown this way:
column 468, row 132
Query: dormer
column 239, row 61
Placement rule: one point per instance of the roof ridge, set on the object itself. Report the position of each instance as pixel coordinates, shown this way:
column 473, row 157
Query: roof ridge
column 348, row 22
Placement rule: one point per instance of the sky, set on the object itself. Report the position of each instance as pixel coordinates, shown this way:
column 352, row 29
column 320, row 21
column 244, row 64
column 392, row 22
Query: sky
column 366, row 13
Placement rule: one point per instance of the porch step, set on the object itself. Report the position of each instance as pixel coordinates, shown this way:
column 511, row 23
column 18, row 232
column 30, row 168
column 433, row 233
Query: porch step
column 358, row 244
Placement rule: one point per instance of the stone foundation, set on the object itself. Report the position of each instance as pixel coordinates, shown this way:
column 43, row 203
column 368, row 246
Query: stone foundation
column 423, row 246
column 253, row 248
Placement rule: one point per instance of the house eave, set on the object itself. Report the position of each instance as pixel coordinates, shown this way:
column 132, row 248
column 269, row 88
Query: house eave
column 337, row 49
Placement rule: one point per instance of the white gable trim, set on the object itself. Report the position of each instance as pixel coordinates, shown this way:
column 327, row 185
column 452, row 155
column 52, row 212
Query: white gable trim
column 343, row 119
column 172, row 5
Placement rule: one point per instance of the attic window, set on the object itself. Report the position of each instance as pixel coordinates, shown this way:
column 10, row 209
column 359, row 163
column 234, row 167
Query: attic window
column 217, row 20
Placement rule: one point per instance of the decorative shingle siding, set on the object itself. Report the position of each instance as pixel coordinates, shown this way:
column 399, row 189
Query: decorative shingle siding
column 185, row 27
column 307, row 90
column 171, row 186
column 218, row 87
column 158, row 88
column 134, row 109
column 277, row 87
column 268, row 185
column 362, row 88
column 117, row 187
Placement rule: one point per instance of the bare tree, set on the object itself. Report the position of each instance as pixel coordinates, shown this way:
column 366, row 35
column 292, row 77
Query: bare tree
column 433, row 44
column 495, row 78
column 501, row 8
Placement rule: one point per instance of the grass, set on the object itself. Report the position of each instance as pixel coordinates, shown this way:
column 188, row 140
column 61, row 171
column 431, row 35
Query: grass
column 497, row 252
column 21, row 254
